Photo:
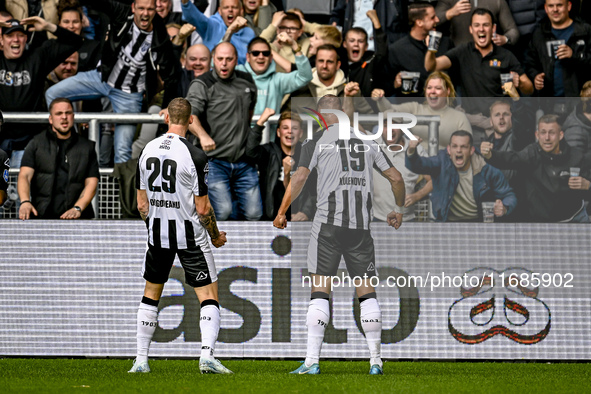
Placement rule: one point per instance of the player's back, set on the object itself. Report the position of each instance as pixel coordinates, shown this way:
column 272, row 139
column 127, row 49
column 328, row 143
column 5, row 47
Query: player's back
column 345, row 177
column 173, row 171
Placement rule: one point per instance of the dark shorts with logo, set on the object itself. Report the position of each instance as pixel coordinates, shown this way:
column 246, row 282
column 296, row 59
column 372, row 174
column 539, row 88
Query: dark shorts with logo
column 198, row 265
column 329, row 243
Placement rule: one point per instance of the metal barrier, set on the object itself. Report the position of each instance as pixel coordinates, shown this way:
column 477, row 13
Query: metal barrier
column 107, row 195
column 106, row 203
column 109, row 205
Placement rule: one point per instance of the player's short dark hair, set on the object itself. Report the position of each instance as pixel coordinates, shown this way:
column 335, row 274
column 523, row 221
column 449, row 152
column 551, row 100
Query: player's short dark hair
column 483, row 11
column 59, row 100
column 257, row 40
column 359, row 30
column 549, row 118
column 179, row 111
column 462, row 133
column 292, row 16
column 417, row 11
column 328, row 47
column 330, row 101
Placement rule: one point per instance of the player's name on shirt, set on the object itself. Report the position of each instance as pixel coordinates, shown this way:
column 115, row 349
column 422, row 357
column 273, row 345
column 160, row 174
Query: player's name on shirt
column 353, row 181
column 165, row 203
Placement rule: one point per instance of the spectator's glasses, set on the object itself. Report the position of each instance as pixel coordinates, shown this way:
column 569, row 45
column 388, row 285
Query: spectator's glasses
column 288, row 29
column 257, row 53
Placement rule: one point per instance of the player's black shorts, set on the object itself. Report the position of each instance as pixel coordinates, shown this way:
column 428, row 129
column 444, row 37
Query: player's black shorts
column 198, row 265
column 328, row 243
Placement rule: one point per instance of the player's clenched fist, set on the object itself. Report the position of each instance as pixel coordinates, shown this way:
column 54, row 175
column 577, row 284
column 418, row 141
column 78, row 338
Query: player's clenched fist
column 220, row 240
column 280, row 221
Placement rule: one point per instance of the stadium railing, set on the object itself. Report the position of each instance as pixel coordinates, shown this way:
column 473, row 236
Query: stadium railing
column 106, row 202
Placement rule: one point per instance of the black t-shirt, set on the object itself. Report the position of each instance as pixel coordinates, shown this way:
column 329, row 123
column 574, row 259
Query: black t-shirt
column 481, row 76
column 408, row 54
column 22, row 80
column 4, row 167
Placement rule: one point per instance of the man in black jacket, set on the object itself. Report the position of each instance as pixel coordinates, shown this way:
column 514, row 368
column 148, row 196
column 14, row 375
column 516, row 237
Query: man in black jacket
column 22, row 76
column 362, row 65
column 138, row 48
column 59, row 173
column 559, row 70
column 552, row 194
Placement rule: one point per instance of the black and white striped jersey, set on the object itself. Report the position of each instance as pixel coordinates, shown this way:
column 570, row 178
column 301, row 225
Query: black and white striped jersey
column 172, row 171
column 129, row 72
column 345, row 176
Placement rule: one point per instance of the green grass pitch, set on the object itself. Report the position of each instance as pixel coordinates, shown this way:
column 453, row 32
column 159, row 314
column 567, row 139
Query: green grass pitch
column 257, row 376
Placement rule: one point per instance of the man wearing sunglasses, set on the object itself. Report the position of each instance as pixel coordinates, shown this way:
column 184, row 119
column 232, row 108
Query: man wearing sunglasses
column 272, row 85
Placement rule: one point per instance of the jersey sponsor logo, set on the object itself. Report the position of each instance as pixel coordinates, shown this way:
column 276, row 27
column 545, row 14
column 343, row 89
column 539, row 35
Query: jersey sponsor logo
column 371, row 267
column 5, row 175
column 165, row 203
column 202, row 275
column 165, row 145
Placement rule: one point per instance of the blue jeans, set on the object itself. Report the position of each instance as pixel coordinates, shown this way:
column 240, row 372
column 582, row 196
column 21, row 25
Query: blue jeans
column 581, row 217
column 236, row 183
column 16, row 158
column 88, row 86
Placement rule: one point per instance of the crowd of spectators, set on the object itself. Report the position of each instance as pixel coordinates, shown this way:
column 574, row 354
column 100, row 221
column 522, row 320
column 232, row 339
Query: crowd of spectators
column 507, row 74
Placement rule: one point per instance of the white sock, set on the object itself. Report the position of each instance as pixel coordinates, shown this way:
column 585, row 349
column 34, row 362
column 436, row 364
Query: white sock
column 371, row 322
column 316, row 321
column 147, row 320
column 210, row 327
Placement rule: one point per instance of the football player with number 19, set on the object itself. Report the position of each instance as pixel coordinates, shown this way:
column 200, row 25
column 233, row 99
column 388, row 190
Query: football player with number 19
column 341, row 227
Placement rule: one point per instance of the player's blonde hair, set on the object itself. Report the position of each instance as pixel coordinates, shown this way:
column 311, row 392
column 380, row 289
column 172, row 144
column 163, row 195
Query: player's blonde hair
column 179, row 111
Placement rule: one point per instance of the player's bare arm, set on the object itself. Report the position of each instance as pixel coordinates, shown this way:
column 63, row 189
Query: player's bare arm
column 395, row 217
column 293, row 190
column 208, row 221
column 142, row 204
